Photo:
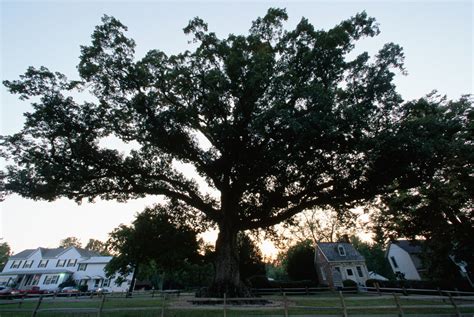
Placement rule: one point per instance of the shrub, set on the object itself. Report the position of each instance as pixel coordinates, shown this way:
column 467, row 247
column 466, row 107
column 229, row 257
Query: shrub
column 83, row 288
column 259, row 281
column 68, row 282
column 349, row 283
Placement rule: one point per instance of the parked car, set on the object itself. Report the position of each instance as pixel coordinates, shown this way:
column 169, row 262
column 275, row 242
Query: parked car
column 69, row 290
column 5, row 292
column 102, row 290
column 34, row 290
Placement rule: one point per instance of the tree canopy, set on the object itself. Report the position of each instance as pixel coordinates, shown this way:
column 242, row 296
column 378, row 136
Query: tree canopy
column 298, row 261
column 274, row 122
column 5, row 253
column 155, row 239
column 440, row 208
column 70, row 242
column 97, row 246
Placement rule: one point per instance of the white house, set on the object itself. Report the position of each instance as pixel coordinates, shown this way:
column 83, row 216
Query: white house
column 404, row 257
column 336, row 262
column 47, row 268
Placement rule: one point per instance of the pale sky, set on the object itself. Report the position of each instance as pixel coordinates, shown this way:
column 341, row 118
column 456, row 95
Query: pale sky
column 437, row 38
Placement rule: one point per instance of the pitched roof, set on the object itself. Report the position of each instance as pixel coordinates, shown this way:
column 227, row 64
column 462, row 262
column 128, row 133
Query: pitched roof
column 23, row 254
column 52, row 253
column 410, row 246
column 332, row 254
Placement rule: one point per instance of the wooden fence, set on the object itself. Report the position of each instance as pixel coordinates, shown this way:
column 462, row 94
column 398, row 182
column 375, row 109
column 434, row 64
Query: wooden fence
column 342, row 303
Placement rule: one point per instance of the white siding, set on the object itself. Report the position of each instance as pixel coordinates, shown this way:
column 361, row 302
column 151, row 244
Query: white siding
column 55, row 275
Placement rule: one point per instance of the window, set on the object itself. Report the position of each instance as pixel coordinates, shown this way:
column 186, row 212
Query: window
column 394, row 262
column 43, row 263
column 82, row 267
column 28, row 264
column 349, row 272
column 54, row 279
column 96, row 282
column 323, row 274
column 36, row 279
column 106, row 283
column 71, row 262
column 15, row 264
column 359, row 271
column 51, row 279
column 342, row 251
column 61, row 263
column 338, row 269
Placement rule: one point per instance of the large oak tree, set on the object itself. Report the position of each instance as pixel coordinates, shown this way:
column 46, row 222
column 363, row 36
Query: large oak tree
column 274, row 122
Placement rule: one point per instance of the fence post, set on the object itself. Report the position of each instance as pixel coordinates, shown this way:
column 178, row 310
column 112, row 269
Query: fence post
column 343, row 304
column 399, row 306
column 163, row 304
column 377, row 286
column 101, row 306
column 38, row 304
column 458, row 313
column 225, row 304
column 153, row 293
column 285, row 304
column 21, row 301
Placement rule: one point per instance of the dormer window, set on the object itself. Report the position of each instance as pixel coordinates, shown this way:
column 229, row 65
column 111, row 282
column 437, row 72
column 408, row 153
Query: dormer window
column 342, row 251
column 28, row 264
column 15, row 264
column 71, row 262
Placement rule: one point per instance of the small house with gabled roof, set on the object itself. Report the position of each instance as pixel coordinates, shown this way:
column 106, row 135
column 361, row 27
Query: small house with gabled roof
column 339, row 261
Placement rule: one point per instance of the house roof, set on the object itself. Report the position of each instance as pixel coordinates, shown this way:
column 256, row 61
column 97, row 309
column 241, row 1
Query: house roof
column 331, row 252
column 23, row 254
column 51, row 253
column 410, row 246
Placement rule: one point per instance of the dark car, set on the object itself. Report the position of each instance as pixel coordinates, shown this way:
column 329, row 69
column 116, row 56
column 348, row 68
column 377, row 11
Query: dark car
column 34, row 290
column 5, row 292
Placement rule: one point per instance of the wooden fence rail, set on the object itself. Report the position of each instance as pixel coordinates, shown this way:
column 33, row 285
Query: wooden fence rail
column 455, row 304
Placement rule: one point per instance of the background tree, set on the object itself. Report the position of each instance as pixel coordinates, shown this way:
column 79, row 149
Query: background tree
column 155, row 239
column 274, row 122
column 97, row 246
column 299, row 261
column 70, row 242
column 319, row 225
column 374, row 255
column 250, row 258
column 5, row 253
column 440, row 208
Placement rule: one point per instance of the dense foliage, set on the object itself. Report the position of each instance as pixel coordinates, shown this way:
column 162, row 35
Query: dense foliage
column 299, row 261
column 440, row 206
column 97, row 246
column 70, row 242
column 5, row 253
column 155, row 241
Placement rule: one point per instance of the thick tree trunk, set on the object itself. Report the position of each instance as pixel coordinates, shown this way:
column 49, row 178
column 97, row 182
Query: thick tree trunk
column 227, row 276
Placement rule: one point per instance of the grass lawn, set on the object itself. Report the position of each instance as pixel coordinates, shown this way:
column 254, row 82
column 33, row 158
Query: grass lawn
column 180, row 307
